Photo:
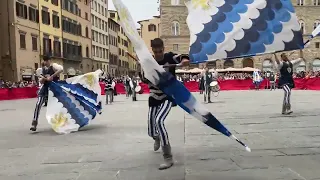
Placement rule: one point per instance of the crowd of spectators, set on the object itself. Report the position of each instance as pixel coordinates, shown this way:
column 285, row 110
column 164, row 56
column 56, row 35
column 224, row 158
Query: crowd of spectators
column 20, row 84
column 181, row 77
column 245, row 75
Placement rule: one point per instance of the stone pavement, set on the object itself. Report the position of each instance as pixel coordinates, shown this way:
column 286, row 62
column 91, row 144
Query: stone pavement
column 117, row 142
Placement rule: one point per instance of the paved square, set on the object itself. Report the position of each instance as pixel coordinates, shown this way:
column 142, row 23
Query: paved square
column 117, row 142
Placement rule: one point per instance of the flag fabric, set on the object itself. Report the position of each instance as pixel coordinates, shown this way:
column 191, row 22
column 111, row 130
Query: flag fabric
column 315, row 32
column 225, row 29
column 74, row 102
column 165, row 81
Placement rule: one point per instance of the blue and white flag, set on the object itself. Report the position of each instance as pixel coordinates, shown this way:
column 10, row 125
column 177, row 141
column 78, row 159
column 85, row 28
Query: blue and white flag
column 74, row 102
column 165, row 81
column 225, row 29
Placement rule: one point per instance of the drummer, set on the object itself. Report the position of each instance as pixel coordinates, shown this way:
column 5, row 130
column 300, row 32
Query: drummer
column 208, row 78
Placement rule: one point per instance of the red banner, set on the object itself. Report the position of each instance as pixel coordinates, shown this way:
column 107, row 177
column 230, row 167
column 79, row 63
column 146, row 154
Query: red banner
column 301, row 84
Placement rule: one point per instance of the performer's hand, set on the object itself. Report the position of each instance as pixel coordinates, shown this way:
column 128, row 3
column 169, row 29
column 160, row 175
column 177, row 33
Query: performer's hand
column 42, row 80
column 50, row 78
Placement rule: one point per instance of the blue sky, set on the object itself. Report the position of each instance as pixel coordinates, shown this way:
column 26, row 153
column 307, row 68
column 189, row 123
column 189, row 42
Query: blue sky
column 140, row 9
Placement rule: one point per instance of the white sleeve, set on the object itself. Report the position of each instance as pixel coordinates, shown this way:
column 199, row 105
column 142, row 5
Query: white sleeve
column 57, row 67
column 296, row 61
column 279, row 65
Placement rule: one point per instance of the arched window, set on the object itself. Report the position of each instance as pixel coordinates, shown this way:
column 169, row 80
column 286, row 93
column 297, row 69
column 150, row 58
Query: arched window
column 302, row 26
column 175, row 28
column 247, row 62
column 267, row 65
column 87, row 51
column 212, row 64
column 316, row 65
column 300, row 2
column 316, row 23
column 228, row 64
column 301, row 67
column 152, row 27
column 175, row 2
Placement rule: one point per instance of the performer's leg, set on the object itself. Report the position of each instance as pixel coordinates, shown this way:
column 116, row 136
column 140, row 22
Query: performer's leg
column 152, row 129
column 286, row 90
column 37, row 109
column 289, row 111
column 209, row 94
column 46, row 101
column 164, row 138
column 107, row 94
column 205, row 93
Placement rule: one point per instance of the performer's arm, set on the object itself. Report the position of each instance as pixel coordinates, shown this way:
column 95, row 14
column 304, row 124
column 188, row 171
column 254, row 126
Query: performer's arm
column 58, row 70
column 295, row 62
column 182, row 59
column 278, row 61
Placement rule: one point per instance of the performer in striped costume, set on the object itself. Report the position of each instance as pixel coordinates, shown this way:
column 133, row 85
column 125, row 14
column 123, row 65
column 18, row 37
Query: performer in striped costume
column 286, row 80
column 50, row 72
column 159, row 104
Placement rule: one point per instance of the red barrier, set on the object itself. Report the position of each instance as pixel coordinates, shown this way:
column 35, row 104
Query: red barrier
column 301, row 84
column 18, row 93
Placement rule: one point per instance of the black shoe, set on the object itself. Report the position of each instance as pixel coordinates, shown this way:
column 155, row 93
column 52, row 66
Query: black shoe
column 34, row 126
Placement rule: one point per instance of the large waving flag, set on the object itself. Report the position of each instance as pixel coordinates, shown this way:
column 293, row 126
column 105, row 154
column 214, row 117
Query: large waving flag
column 74, row 102
column 164, row 80
column 223, row 29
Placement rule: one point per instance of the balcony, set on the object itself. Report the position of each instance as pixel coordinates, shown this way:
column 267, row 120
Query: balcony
column 72, row 57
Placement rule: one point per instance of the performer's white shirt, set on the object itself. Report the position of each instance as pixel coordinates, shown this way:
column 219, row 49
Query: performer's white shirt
column 215, row 74
column 57, row 67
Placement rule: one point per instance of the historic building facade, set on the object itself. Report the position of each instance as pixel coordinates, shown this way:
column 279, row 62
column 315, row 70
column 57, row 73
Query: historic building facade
column 175, row 33
column 100, row 33
column 19, row 40
column 149, row 30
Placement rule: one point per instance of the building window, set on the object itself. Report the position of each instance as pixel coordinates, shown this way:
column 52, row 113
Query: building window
column 87, row 51
column 93, row 51
column 112, row 15
column 71, row 27
column 176, row 47
column 33, row 14
column 46, row 46
column 21, row 10
column 71, row 50
column 300, row 2
column 45, row 16
column 57, row 48
column 302, row 26
column 56, row 21
column 86, row 2
column 87, row 32
column 152, row 27
column 316, row 2
column 175, row 28
column 175, row 2
column 34, row 43
column 86, row 16
column 22, row 40
column 317, row 45
column 55, row 2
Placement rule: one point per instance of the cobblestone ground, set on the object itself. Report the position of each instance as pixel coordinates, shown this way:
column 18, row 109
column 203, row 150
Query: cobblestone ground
column 117, row 142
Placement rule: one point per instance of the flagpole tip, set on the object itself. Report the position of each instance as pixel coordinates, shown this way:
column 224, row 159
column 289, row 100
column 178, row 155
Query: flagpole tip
column 248, row 149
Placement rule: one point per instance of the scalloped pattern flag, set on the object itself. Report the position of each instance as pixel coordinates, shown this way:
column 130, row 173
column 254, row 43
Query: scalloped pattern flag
column 74, row 102
column 223, row 29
